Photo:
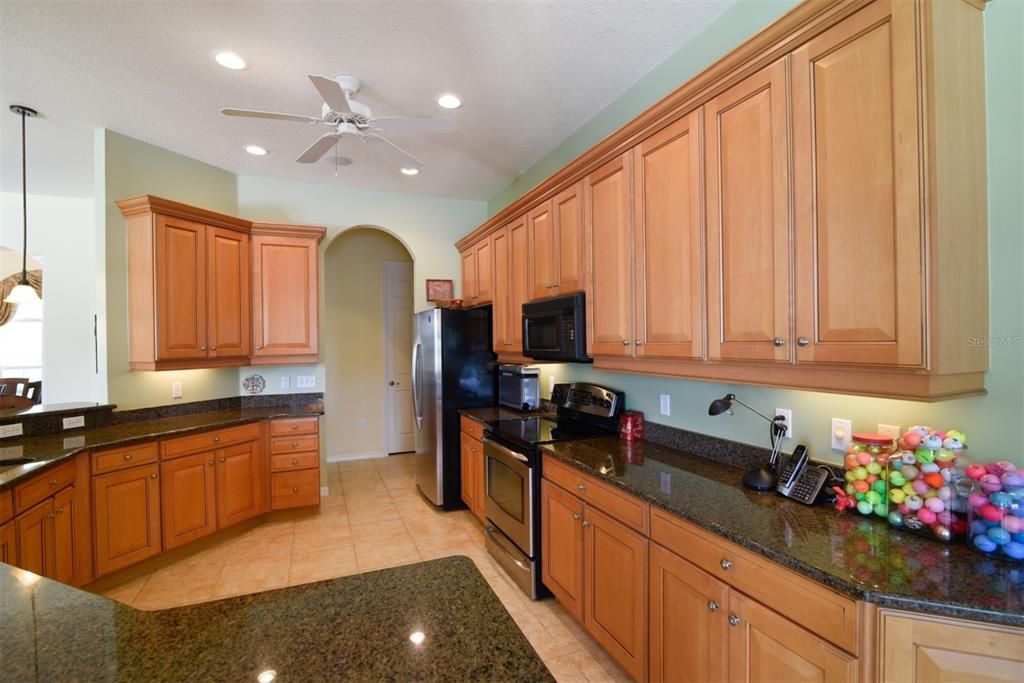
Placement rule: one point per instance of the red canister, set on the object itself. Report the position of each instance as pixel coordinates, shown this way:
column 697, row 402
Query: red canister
column 631, row 425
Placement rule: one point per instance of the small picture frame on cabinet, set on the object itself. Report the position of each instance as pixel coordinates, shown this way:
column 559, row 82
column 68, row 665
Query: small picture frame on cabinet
column 440, row 289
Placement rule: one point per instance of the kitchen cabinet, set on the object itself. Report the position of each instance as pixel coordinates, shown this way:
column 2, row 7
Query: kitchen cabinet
column 562, row 547
column 471, row 463
column 285, row 293
column 33, row 530
column 295, row 463
column 180, row 289
column 555, row 234
column 8, row 544
column 747, row 200
column 229, row 328
column 478, row 274
column 501, row 311
column 239, row 475
column 918, row 648
column 188, row 497
column 469, row 276
column 126, row 508
column 519, row 280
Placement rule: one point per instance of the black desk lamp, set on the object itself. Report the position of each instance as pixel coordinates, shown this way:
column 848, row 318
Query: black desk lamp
column 763, row 478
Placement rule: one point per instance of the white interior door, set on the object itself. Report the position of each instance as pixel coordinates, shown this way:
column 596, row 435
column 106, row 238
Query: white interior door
column 398, row 356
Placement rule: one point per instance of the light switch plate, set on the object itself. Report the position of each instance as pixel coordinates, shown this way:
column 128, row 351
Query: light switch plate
column 305, row 381
column 842, row 434
column 11, row 430
column 177, row 391
column 73, row 422
column 665, row 404
column 286, row 382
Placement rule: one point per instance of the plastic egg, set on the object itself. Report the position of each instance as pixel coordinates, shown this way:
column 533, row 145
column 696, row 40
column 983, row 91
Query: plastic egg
column 860, row 473
column 897, row 479
column 985, row 544
column 914, row 503
column 872, row 478
column 908, row 489
column 944, row 493
column 850, row 461
column 879, row 486
column 907, row 457
column 873, row 497
column 909, row 472
column 946, row 453
column 999, row 535
column 1000, row 499
column 863, row 458
column 881, row 509
column 873, row 468
column 945, row 518
column 932, row 442
column 848, row 476
column 935, row 505
column 1012, row 480
column 990, row 512
column 975, row 471
column 978, row 527
column 897, row 496
column 895, row 518
column 990, row 483
column 864, row 507
column 911, row 439
column 1014, row 549
column 930, row 468
column 858, row 496
column 920, row 487
column 977, row 499
column 934, row 480
column 926, row 516
column 1014, row 525
column 924, row 456
column 861, row 486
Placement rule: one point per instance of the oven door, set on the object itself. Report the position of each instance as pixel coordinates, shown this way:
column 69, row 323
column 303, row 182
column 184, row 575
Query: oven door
column 508, row 493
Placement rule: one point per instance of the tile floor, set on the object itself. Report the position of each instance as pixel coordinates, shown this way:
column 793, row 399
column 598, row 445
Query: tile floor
column 373, row 518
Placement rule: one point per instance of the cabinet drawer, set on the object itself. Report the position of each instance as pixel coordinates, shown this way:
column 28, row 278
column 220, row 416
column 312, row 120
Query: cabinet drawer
column 816, row 608
column 297, row 444
column 6, row 506
column 172, row 448
column 297, row 425
column 120, row 458
column 473, row 428
column 43, row 486
column 623, row 507
column 294, row 489
column 298, row 461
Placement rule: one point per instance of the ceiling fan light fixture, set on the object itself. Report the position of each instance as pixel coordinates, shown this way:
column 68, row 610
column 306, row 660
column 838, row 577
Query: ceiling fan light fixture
column 256, row 150
column 410, row 171
column 449, row 101
column 230, row 60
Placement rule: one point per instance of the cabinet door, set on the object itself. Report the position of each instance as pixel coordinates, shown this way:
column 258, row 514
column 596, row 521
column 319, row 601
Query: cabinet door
column 765, row 647
column 469, row 278
column 8, row 544
column 229, row 331
column 501, row 320
column 239, row 483
column 614, row 595
column 468, row 450
column 567, row 211
column 920, row 649
column 72, row 549
column 748, row 219
column 484, row 272
column 688, row 627
column 286, row 299
column 668, row 228
column 607, row 209
column 519, row 280
column 543, row 257
column 180, row 288
column 126, row 510
column 33, row 530
column 859, row 226
column 188, row 497
column 561, row 540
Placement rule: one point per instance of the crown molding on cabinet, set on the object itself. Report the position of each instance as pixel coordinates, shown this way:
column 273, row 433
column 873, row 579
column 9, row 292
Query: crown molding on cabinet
column 147, row 203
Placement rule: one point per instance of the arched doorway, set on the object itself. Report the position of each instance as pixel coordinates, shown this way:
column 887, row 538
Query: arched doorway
column 368, row 306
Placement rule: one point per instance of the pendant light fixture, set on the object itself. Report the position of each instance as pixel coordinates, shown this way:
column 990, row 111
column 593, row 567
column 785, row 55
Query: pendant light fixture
column 23, row 292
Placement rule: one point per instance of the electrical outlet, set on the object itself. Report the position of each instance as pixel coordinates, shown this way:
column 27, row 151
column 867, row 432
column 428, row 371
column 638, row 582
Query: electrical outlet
column 74, row 442
column 551, row 383
column 889, row 430
column 11, row 430
column 665, row 404
column 286, row 382
column 788, row 414
column 364, row 423
column 305, row 381
column 177, row 391
column 72, row 422
column 842, row 434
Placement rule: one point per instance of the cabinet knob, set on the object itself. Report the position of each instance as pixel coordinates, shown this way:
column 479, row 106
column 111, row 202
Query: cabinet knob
column 575, row 515
column 802, row 341
column 50, row 515
column 54, row 482
column 60, row 510
column 259, row 346
column 153, row 476
column 210, row 463
column 294, row 427
column 779, row 341
column 222, row 458
column 625, row 342
column 295, row 489
column 127, row 456
column 202, row 348
column 295, row 461
column 216, row 439
column 712, row 606
column 213, row 348
column 726, row 564
column 734, row 620
column 295, row 444
column 586, row 523
column 582, row 486
column 638, row 342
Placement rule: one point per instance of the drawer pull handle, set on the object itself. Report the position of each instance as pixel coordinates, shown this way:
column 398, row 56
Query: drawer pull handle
column 295, row 461
column 127, row 456
column 625, row 342
column 294, row 427
column 726, row 564
column 779, row 341
column 153, row 476
column 575, row 515
column 734, row 620
column 54, row 482
column 712, row 606
column 582, row 486
column 295, row 489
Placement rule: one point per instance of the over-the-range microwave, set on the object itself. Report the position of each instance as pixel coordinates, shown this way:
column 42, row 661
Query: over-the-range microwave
column 556, row 330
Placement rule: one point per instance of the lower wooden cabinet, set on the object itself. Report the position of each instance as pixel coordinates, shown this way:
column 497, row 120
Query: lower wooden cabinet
column 126, row 506
column 294, row 464
column 52, row 538
column 239, row 484
column 294, row 489
column 188, row 496
column 34, row 534
column 561, row 517
column 918, row 648
column 471, row 464
column 8, row 544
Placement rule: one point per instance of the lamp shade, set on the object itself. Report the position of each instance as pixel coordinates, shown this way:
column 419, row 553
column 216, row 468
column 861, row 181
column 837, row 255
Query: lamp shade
column 721, row 405
column 22, row 294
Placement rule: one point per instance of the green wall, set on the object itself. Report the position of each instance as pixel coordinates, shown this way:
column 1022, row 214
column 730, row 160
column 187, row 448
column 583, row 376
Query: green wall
column 994, row 423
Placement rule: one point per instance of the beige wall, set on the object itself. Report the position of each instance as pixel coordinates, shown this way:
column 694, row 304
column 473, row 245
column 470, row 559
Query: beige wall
column 352, row 339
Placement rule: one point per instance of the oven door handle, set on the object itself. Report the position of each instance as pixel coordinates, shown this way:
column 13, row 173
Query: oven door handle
column 489, row 530
column 505, row 451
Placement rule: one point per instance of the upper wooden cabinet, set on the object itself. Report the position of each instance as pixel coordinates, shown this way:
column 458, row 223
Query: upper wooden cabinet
column 501, row 316
column 478, row 274
column 555, row 233
column 511, row 247
column 285, row 293
column 227, row 294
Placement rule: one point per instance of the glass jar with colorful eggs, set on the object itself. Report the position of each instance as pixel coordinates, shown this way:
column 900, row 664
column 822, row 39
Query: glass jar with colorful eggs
column 923, row 484
column 866, row 471
column 996, row 501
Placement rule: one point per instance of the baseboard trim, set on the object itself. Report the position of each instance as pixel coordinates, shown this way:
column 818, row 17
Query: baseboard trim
column 357, row 456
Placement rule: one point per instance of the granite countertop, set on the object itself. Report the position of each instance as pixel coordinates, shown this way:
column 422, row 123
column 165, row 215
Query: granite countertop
column 47, row 451
column 355, row 628
column 858, row 556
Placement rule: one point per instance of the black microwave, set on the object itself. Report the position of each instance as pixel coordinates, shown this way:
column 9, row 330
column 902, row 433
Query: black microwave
column 556, row 330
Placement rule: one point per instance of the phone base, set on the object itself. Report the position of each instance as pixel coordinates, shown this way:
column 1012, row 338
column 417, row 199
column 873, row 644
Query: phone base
column 761, row 479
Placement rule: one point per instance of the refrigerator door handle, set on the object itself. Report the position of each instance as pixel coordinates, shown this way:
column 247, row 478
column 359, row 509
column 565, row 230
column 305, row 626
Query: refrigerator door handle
column 417, row 352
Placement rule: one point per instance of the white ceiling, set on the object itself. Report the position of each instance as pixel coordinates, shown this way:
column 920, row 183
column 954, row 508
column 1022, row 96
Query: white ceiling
column 529, row 71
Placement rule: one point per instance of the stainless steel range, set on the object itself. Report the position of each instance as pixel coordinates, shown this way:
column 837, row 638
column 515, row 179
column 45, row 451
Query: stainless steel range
column 512, row 473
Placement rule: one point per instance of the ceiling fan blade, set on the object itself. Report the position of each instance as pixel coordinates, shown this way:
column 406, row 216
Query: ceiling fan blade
column 256, row 114
column 332, row 93
column 318, row 149
column 392, row 152
column 414, row 124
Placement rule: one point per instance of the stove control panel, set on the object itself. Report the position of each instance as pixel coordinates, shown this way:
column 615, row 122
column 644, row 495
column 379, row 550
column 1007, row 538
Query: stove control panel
column 588, row 398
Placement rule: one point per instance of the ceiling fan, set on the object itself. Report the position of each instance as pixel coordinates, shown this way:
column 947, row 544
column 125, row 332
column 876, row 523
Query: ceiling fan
column 350, row 118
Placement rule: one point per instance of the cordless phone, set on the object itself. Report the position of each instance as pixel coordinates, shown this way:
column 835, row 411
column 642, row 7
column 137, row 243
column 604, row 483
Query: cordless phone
column 800, row 482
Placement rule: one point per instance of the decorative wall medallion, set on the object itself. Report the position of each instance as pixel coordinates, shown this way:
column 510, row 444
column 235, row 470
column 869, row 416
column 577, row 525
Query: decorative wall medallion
column 254, row 384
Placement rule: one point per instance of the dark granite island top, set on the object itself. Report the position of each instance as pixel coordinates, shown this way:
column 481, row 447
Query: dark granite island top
column 854, row 555
column 47, row 451
column 355, row 628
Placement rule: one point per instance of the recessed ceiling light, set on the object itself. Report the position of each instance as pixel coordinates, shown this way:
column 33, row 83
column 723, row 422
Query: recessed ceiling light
column 418, row 637
column 256, row 150
column 449, row 101
column 230, row 60
column 410, row 171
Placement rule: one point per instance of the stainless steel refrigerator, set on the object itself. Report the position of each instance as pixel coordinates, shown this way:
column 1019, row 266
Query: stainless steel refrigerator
column 453, row 367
